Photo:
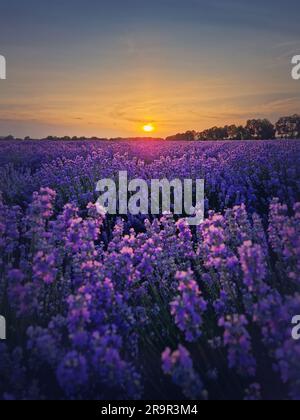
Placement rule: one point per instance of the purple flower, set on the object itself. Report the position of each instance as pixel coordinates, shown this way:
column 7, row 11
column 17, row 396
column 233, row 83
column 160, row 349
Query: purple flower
column 188, row 308
column 179, row 366
column 72, row 374
column 238, row 342
column 253, row 393
column 88, row 296
column 44, row 268
column 253, row 266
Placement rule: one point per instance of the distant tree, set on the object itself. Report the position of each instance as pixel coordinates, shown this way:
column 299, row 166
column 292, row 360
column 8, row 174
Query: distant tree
column 288, row 127
column 203, row 135
column 191, row 135
column 256, row 129
column 214, row 133
column 236, row 132
column 188, row 136
column 219, row 133
column 232, row 132
column 27, row 138
column 260, row 129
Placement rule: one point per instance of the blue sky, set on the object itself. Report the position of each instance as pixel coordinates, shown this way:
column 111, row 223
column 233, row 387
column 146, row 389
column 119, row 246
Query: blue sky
column 106, row 67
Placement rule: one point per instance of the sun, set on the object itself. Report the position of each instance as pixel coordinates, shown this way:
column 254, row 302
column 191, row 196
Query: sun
column 148, row 128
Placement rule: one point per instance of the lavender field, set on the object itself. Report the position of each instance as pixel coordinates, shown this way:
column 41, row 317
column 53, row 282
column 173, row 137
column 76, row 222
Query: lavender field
column 149, row 308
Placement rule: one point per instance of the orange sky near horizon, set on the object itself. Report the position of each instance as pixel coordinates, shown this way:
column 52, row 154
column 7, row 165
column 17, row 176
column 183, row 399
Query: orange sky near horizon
column 107, row 72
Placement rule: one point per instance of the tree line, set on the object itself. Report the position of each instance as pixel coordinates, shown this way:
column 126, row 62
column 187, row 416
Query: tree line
column 256, row 129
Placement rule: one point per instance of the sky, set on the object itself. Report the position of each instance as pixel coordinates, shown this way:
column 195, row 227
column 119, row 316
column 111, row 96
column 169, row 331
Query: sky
column 107, row 67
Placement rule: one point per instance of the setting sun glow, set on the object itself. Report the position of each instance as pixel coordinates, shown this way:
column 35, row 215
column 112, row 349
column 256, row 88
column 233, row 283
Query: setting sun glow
column 148, row 128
